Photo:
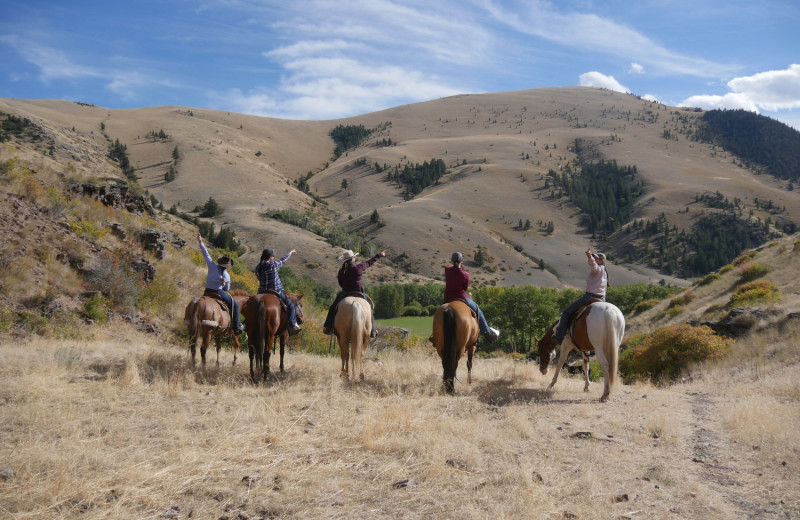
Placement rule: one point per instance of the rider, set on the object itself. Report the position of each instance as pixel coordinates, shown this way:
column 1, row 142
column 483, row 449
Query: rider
column 218, row 281
column 456, row 282
column 349, row 278
column 268, row 280
column 596, row 284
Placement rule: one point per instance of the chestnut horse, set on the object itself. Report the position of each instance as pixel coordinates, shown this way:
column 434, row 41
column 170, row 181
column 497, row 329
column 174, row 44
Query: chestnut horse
column 265, row 320
column 352, row 326
column 599, row 327
column 208, row 317
column 455, row 330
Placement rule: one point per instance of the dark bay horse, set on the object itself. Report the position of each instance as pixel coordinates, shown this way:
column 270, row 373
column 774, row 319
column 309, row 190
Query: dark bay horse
column 265, row 320
column 455, row 331
column 352, row 326
column 208, row 317
column 599, row 328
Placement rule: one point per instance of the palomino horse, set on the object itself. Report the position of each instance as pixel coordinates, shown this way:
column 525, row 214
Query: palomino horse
column 265, row 320
column 205, row 317
column 455, row 330
column 352, row 326
column 599, row 328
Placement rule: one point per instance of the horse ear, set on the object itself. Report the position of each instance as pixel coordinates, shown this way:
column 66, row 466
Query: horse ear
column 299, row 297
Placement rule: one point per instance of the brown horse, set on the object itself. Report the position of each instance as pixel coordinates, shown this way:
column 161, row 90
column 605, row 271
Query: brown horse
column 265, row 320
column 600, row 328
column 352, row 326
column 208, row 317
column 455, row 330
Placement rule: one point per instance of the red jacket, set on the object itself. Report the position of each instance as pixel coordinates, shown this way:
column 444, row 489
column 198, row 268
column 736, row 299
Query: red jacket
column 456, row 283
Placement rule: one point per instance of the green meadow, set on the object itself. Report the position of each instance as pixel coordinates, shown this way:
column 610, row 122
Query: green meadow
column 418, row 325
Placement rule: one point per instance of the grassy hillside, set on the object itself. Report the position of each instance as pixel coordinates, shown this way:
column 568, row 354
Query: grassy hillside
column 498, row 149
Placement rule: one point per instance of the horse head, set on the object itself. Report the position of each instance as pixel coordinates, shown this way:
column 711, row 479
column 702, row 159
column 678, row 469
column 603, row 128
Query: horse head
column 298, row 306
column 547, row 350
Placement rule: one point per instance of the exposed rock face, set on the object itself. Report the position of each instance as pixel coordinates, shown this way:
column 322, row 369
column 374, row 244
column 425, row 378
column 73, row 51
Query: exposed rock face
column 115, row 195
column 739, row 321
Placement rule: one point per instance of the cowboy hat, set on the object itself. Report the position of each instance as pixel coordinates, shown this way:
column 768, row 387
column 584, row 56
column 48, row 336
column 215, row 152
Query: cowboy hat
column 600, row 256
column 347, row 255
column 224, row 261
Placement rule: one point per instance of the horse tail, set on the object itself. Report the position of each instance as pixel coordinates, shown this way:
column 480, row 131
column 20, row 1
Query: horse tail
column 260, row 335
column 615, row 330
column 449, row 354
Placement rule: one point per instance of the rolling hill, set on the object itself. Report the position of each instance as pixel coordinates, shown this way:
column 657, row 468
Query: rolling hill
column 499, row 150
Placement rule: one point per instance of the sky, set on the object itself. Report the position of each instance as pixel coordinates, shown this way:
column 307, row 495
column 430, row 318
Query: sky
column 328, row 59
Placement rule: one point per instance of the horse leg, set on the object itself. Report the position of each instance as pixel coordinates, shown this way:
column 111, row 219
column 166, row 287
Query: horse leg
column 344, row 350
column 562, row 358
column 218, row 341
column 236, row 347
column 283, row 345
column 193, row 348
column 585, row 371
column 470, row 352
column 269, row 339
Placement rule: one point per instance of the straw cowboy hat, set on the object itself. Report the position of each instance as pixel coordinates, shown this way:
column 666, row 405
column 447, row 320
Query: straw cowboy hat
column 600, row 256
column 347, row 255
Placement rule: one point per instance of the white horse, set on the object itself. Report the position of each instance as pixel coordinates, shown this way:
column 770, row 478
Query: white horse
column 352, row 326
column 598, row 327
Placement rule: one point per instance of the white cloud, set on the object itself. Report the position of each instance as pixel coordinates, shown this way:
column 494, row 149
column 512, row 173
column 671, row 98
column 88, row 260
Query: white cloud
column 772, row 90
column 651, row 97
column 596, row 79
column 53, row 64
column 636, row 69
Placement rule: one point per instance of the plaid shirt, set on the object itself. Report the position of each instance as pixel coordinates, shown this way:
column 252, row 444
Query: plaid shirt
column 267, row 273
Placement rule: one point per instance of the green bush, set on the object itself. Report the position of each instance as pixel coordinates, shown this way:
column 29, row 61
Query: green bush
column 752, row 271
column 663, row 355
column 645, row 305
column 96, row 308
column 725, row 268
column 760, row 291
column 707, row 279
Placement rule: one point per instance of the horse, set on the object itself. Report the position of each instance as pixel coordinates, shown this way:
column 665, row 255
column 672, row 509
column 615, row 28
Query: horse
column 352, row 325
column 599, row 328
column 265, row 320
column 455, row 330
column 206, row 318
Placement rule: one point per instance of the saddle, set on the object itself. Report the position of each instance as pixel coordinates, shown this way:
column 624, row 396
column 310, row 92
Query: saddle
column 577, row 328
column 217, row 298
column 462, row 300
column 278, row 295
column 356, row 294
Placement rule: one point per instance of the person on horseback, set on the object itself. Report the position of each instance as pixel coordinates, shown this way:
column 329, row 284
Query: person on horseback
column 349, row 278
column 268, row 280
column 596, row 285
column 456, row 283
column 218, row 281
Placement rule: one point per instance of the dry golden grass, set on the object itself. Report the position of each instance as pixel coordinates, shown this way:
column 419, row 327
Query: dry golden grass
column 122, row 427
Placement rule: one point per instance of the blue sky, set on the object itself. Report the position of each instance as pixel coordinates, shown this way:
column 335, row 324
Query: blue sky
column 325, row 59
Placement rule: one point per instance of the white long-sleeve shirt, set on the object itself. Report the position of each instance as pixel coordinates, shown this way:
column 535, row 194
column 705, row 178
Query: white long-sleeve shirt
column 217, row 277
column 597, row 281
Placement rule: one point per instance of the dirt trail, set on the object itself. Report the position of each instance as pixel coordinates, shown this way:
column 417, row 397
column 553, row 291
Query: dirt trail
column 713, row 458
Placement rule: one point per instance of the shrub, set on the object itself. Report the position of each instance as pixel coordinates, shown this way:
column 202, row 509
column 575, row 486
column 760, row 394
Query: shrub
column 744, row 257
column 413, row 309
column 6, row 318
column 645, row 305
column 725, row 268
column 96, row 308
column 664, row 354
column 761, row 291
column 159, row 295
column 752, row 271
column 680, row 301
column 707, row 279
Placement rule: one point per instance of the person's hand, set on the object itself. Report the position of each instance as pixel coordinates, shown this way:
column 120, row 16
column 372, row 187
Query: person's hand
column 200, row 238
column 383, row 253
column 293, row 251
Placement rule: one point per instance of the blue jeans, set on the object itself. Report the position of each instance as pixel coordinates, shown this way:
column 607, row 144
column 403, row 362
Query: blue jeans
column 483, row 326
column 563, row 322
column 231, row 303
